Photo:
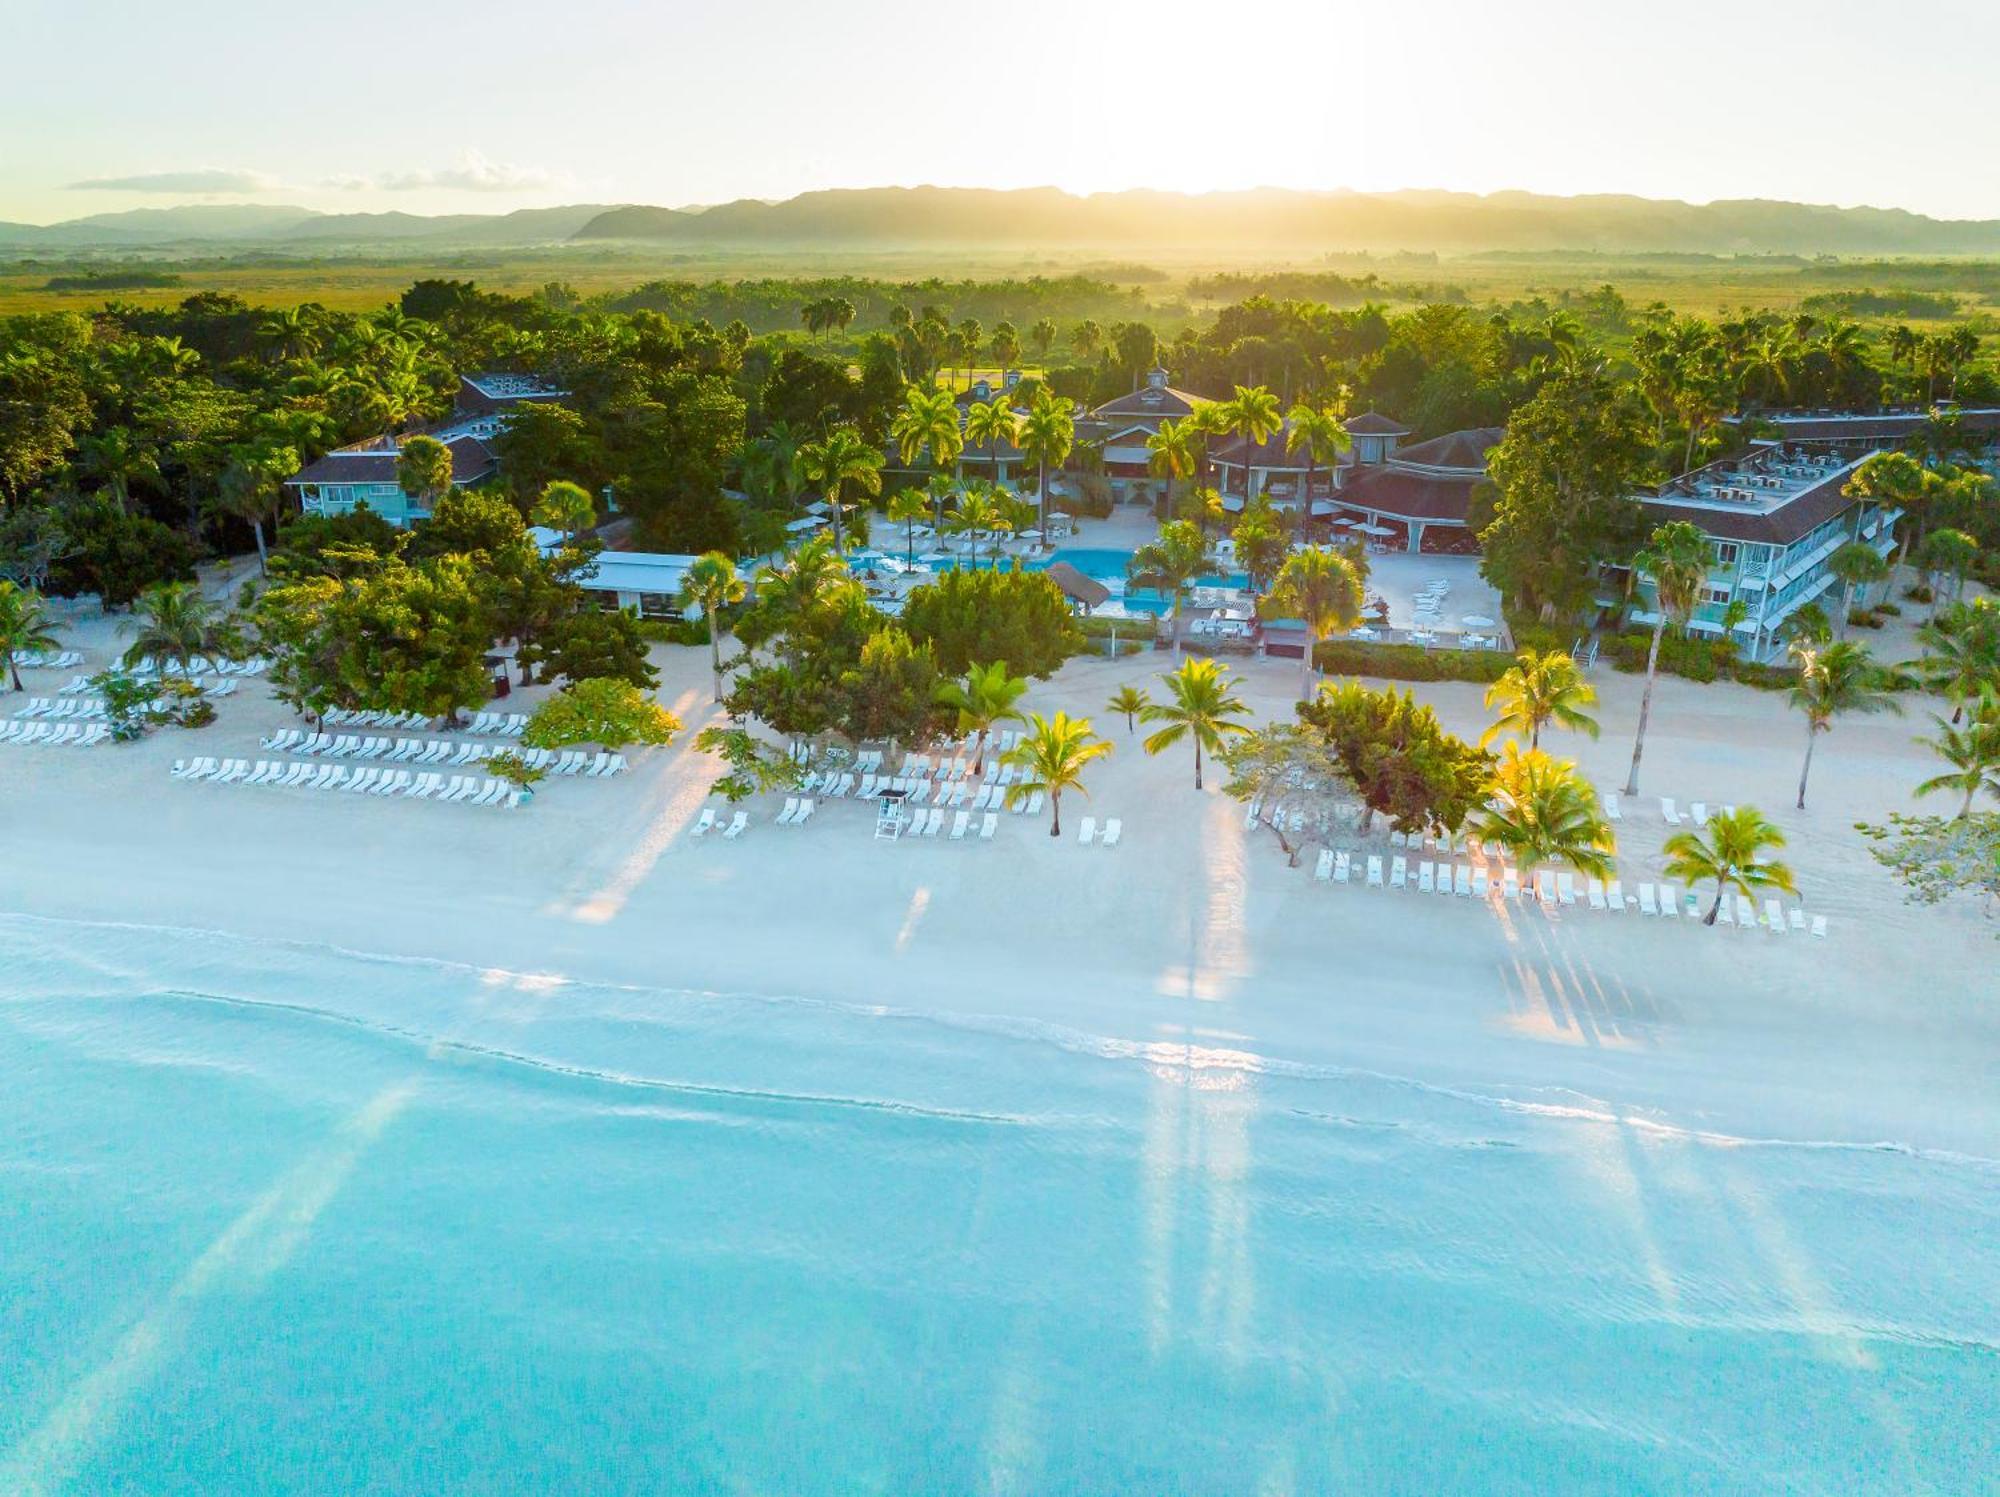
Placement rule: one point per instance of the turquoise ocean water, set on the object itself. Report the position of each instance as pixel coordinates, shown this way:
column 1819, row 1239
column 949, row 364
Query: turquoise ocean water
column 286, row 1220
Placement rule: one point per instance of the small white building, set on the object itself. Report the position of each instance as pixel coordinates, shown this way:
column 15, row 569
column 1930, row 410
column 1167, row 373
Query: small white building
column 646, row 583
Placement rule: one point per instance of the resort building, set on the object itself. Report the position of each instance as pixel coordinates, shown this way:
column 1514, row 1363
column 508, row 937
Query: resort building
column 646, row 583
column 1002, row 463
column 1774, row 518
column 1121, row 427
column 1412, row 498
column 365, row 472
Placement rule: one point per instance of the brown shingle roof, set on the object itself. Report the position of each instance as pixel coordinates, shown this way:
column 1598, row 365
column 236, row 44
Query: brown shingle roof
column 470, row 462
column 1777, row 527
column 1373, row 424
column 1410, row 496
column 1456, row 449
column 1153, row 404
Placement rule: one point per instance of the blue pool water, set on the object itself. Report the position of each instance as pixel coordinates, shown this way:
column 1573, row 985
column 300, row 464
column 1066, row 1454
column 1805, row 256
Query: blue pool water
column 283, row 1220
column 1108, row 564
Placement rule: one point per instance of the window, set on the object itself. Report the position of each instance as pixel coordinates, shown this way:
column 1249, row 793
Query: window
column 1716, row 595
column 1725, row 553
column 658, row 606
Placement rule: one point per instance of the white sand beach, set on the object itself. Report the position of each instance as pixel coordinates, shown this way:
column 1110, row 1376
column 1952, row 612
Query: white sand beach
column 1193, row 932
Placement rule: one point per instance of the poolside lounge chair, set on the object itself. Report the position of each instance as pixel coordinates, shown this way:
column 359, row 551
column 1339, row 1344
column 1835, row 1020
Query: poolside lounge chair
column 1510, row 883
column 784, row 817
column 1698, row 813
column 1374, row 871
column 1746, row 911
column 1669, row 812
column 736, row 825
column 1774, row 916
column 1427, row 878
column 933, row 823
column 1113, row 830
column 1343, row 867
column 1648, row 901
column 958, row 825
column 1399, row 872
column 1323, row 869
column 1819, row 925
column 1482, row 883
column 1594, row 892
column 1797, row 918
column 1545, row 888
column 1670, row 905
column 1614, row 896
column 988, row 825
column 1566, row 887
column 1086, row 833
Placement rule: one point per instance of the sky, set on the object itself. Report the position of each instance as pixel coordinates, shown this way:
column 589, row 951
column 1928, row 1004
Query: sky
column 453, row 107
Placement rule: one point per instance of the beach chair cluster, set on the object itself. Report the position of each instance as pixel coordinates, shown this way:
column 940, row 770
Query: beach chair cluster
column 69, row 709
column 475, row 790
column 943, row 782
column 441, row 751
column 1670, row 811
column 149, row 670
column 48, row 660
column 1551, row 889
column 732, row 829
column 55, row 735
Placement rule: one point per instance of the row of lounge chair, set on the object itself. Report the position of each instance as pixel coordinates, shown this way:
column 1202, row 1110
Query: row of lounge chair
column 55, row 735
column 1553, row 889
column 706, row 823
column 1670, row 811
column 490, row 724
column 48, row 660
column 72, row 710
column 146, row 670
column 437, row 751
column 951, row 794
column 474, row 790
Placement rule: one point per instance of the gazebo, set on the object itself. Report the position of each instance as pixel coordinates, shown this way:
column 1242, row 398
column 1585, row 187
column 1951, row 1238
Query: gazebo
column 1078, row 588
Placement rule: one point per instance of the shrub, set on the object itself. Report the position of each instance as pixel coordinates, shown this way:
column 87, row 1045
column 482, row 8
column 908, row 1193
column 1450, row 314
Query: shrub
column 1864, row 618
column 674, row 631
column 1893, row 610
column 1918, row 592
column 1346, row 657
column 1696, row 659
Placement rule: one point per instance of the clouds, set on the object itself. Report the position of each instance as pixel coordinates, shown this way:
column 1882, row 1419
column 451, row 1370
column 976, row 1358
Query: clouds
column 206, row 179
column 472, row 173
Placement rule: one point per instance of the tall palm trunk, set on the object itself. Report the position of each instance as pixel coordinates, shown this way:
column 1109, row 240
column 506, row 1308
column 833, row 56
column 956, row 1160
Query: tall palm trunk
column 1306, row 673
column 14, row 670
column 1055, row 813
column 715, row 653
column 1846, row 608
column 1646, row 703
column 1812, row 737
column 263, row 557
column 1197, row 761
column 1721, row 888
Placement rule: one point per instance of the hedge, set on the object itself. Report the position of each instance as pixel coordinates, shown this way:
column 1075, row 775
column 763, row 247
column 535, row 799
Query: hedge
column 1346, row 657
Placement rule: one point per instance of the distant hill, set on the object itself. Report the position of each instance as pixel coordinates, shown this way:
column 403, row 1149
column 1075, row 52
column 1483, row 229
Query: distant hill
column 1270, row 220
column 1264, row 223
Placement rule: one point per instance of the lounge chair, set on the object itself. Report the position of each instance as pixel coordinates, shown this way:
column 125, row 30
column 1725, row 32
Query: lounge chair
column 1648, row 902
column 1699, row 813
column 1250, row 815
column 1374, row 871
column 1482, row 884
column 1323, row 869
column 1725, row 911
column 1343, row 867
column 1427, row 878
column 1399, row 872
column 1670, row 904
column 1819, row 925
column 1510, row 883
column 1669, row 812
column 988, row 825
column 736, row 825
column 1594, row 892
column 1566, row 887
column 934, row 822
column 1034, row 804
column 397, row 782
column 1113, row 830
column 1545, row 888
column 1774, row 916
column 1086, row 833
column 1614, row 895
column 496, row 794
column 958, row 825
column 1746, row 911
column 784, row 817
column 1797, row 918
column 1398, row 839
column 1611, row 811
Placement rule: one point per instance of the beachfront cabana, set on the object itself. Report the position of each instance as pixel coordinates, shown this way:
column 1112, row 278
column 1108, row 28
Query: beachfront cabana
column 1077, row 587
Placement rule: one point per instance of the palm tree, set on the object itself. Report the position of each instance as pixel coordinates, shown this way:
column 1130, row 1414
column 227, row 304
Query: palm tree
column 23, row 627
column 1176, row 452
column 1731, row 854
column 906, row 507
column 1170, row 563
column 1856, row 564
column 1962, row 652
column 1951, row 552
column 566, row 507
column 1834, row 680
column 808, row 580
column 989, row 423
column 1543, row 811
column 1321, row 588
column 1128, row 702
column 1538, row 690
column 119, row 458
column 1046, row 435
column 1252, row 414
column 1322, row 436
column 249, row 488
column 1677, row 557
column 841, row 462
column 1052, row 756
column 927, row 423
column 1203, row 708
column 984, row 699
column 712, row 585
column 1973, row 752
column 176, row 625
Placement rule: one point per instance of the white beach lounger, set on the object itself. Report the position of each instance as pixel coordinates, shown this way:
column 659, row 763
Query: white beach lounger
column 1566, row 887
column 1034, row 805
column 1545, row 888
column 1746, row 911
column 736, row 825
column 1482, row 883
column 1611, row 811
column 958, row 825
column 1343, row 867
column 1087, row 832
column 1594, row 891
column 1774, row 916
column 1113, row 830
column 1796, row 917
column 1323, row 869
column 1648, row 901
column 1250, row 815
column 1427, row 878
column 1510, row 883
column 1399, row 872
column 784, row 817
column 934, row 822
column 988, row 825
column 1819, row 925
column 1670, row 904
column 1669, row 812
column 1698, row 812
column 1725, row 911
column 1374, row 871
column 1614, row 895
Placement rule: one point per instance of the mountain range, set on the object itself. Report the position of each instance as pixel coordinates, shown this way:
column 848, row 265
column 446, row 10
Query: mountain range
column 1266, row 222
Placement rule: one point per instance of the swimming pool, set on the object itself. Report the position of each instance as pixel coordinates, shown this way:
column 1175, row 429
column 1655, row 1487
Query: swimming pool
column 1109, row 565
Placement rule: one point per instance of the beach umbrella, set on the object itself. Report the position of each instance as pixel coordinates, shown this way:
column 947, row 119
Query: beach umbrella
column 810, row 522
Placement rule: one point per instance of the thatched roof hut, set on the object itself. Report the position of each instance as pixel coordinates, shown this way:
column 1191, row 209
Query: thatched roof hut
column 1076, row 587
